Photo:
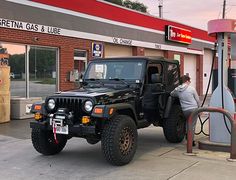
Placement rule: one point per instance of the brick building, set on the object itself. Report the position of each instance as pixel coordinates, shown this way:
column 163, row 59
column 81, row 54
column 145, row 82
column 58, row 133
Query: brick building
column 71, row 34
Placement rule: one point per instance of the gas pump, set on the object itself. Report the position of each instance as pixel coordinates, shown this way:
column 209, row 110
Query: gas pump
column 232, row 66
column 222, row 96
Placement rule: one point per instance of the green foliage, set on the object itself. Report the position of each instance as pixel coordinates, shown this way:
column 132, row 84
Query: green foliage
column 135, row 5
column 118, row 2
column 41, row 60
column 17, row 63
column 130, row 4
column 44, row 59
column 46, row 81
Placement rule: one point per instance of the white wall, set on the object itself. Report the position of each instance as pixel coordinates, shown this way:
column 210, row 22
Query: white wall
column 190, row 67
column 153, row 52
column 112, row 50
column 207, row 62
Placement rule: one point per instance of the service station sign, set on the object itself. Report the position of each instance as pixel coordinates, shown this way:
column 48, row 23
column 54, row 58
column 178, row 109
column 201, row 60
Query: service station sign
column 26, row 26
column 177, row 34
column 97, row 49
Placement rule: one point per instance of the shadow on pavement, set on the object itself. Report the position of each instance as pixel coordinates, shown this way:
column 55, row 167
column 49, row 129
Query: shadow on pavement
column 16, row 128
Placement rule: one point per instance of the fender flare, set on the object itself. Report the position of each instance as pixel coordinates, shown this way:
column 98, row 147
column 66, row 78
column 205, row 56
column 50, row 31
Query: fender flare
column 120, row 108
column 170, row 101
column 34, row 108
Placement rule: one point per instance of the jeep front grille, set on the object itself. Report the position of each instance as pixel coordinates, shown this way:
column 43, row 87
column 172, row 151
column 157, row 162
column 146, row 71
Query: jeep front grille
column 73, row 104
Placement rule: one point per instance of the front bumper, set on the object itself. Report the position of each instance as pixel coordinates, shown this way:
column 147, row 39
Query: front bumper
column 77, row 129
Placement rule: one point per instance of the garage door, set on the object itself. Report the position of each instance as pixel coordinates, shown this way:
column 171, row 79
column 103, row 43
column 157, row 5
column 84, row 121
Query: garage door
column 207, row 61
column 153, row 52
column 190, row 67
column 112, row 50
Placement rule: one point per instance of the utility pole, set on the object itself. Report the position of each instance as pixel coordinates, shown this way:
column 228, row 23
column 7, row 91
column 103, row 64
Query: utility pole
column 160, row 6
column 223, row 14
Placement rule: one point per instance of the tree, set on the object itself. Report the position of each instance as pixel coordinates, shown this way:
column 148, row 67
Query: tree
column 118, row 2
column 135, row 5
column 45, row 63
column 17, row 64
column 130, row 4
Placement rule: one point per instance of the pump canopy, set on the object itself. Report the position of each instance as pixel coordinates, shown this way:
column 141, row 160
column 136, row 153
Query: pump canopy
column 221, row 25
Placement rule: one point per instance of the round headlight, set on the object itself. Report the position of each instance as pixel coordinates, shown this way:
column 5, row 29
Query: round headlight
column 51, row 104
column 88, row 106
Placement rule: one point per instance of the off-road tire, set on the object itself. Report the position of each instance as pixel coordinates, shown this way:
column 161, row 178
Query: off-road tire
column 44, row 142
column 92, row 140
column 174, row 126
column 119, row 140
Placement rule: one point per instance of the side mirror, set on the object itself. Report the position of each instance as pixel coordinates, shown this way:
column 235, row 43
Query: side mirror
column 81, row 80
column 81, row 75
column 156, row 78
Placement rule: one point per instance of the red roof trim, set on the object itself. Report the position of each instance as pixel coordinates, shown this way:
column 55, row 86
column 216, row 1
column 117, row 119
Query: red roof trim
column 108, row 11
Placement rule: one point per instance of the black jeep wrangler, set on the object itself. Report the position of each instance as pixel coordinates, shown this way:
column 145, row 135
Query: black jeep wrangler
column 117, row 97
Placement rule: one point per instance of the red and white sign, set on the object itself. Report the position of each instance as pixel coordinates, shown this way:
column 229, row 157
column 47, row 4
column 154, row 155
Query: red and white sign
column 177, row 34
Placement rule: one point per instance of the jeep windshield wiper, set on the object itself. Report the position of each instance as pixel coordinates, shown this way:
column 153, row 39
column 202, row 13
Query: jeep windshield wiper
column 92, row 79
column 121, row 80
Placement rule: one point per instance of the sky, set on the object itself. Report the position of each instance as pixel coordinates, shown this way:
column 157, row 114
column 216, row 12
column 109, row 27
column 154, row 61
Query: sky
column 195, row 13
column 14, row 48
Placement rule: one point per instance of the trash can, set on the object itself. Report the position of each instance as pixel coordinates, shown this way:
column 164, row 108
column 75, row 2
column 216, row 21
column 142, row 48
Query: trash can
column 4, row 94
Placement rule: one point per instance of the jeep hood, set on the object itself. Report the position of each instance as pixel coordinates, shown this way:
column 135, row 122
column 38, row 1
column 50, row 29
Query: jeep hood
column 98, row 93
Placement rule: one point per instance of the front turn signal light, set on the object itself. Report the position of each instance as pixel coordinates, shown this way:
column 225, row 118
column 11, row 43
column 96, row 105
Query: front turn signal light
column 111, row 111
column 85, row 119
column 98, row 110
column 38, row 116
column 37, row 107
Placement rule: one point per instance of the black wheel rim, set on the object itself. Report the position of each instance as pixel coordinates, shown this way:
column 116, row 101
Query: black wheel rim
column 126, row 140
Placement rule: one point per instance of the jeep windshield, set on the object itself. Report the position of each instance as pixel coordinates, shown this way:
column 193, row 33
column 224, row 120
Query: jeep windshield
column 117, row 70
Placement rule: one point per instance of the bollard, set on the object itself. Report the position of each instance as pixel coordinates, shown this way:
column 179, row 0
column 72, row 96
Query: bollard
column 233, row 139
column 190, row 135
column 219, row 110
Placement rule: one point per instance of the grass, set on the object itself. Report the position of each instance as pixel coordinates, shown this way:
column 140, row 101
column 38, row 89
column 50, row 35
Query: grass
column 39, row 80
column 46, row 81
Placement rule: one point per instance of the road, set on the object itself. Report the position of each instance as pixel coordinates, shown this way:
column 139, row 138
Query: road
column 155, row 159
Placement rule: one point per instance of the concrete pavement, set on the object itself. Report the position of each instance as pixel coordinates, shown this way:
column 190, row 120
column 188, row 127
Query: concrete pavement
column 155, row 159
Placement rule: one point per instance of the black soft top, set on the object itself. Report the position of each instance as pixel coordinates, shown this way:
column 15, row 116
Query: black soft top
column 145, row 58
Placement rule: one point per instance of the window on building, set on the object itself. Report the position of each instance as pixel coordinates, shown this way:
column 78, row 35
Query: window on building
column 80, row 62
column 16, row 62
column 42, row 70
